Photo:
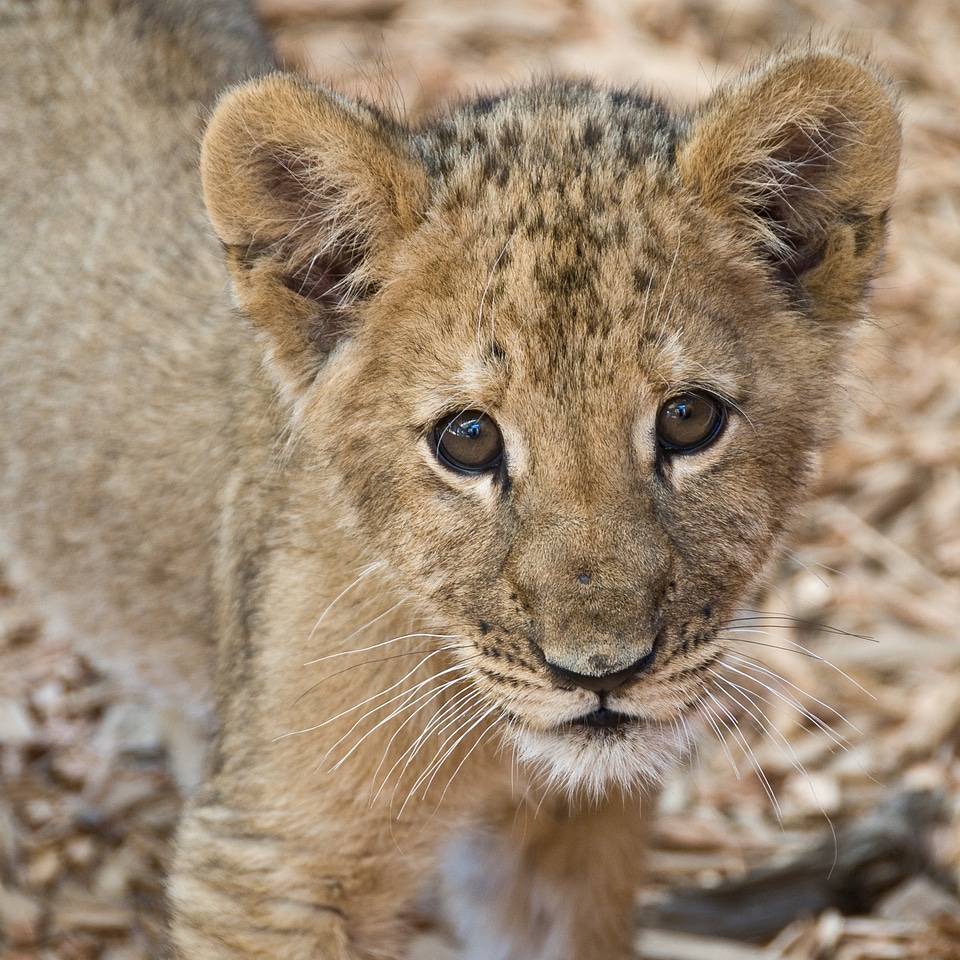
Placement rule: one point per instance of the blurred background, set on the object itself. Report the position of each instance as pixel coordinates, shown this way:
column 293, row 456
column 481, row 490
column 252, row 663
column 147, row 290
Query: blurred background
column 807, row 842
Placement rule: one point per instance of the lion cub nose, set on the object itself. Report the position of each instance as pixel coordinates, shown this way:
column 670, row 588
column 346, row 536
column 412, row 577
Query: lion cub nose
column 603, row 682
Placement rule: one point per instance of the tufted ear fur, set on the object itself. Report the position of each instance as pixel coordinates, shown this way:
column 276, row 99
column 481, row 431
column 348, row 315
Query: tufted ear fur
column 802, row 155
column 306, row 190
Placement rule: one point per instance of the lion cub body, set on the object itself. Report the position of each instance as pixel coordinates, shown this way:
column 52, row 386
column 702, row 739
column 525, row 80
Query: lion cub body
column 112, row 278
column 521, row 403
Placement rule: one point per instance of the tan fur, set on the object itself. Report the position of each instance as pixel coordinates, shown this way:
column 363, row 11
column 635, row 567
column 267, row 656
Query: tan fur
column 406, row 652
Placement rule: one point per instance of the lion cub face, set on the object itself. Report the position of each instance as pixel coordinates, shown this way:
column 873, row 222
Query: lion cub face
column 569, row 361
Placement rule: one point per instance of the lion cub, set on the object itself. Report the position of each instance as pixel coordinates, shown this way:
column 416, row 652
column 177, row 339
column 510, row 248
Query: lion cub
column 510, row 415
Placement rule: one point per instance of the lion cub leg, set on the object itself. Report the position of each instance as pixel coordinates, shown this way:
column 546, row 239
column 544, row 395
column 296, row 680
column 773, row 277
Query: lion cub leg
column 556, row 882
column 246, row 885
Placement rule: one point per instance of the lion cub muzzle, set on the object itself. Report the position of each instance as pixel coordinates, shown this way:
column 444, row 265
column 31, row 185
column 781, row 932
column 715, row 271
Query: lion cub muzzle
column 595, row 622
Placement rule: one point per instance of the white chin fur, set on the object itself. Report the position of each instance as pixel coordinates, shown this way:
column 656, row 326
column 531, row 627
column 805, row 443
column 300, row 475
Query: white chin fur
column 585, row 761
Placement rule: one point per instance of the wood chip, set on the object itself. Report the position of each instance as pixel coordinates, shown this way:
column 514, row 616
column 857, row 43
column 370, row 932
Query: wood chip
column 660, row 945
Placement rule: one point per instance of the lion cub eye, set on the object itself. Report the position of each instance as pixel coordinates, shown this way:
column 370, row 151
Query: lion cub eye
column 689, row 421
column 469, row 442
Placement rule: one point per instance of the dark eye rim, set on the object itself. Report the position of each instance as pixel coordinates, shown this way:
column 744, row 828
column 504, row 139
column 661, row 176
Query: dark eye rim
column 491, row 465
column 721, row 408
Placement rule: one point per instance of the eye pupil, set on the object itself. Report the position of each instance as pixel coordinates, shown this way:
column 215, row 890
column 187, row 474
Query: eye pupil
column 689, row 421
column 468, row 442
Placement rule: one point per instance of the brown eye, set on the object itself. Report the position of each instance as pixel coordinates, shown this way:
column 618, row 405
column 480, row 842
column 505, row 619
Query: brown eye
column 689, row 421
column 469, row 442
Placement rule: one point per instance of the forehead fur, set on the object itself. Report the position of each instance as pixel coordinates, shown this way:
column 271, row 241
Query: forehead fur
column 563, row 227
column 558, row 237
column 573, row 128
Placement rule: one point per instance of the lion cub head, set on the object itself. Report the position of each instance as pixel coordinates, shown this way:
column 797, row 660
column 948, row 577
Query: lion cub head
column 568, row 358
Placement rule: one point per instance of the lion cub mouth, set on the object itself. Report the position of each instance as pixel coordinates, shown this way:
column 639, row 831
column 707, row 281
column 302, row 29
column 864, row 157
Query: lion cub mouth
column 602, row 717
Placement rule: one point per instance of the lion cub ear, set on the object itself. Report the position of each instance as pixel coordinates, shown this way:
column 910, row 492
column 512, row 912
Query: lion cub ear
column 307, row 191
column 802, row 156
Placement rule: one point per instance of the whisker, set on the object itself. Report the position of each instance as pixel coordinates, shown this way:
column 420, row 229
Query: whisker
column 799, row 648
column 375, row 619
column 363, row 575
column 422, row 699
column 438, row 760
column 791, row 700
column 461, row 725
column 356, row 651
column 763, row 722
column 761, row 773
column 663, row 291
column 787, row 622
column 436, row 723
column 377, row 696
column 466, row 757
column 452, row 733
column 776, row 737
column 809, row 565
column 362, row 663
column 483, row 297
column 447, row 717
column 365, row 663
column 734, row 727
column 708, row 715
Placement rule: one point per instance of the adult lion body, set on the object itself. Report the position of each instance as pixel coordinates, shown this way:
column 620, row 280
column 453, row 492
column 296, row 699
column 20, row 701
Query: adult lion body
column 542, row 382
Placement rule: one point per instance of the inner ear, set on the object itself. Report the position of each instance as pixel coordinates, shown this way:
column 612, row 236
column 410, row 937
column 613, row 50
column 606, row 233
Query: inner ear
column 800, row 157
column 322, row 265
column 326, row 278
column 307, row 191
column 790, row 184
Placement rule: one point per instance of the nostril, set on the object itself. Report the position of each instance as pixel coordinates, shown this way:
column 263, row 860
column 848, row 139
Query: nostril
column 602, row 682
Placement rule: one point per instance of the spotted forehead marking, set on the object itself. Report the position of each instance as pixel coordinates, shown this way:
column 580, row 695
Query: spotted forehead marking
column 559, row 124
